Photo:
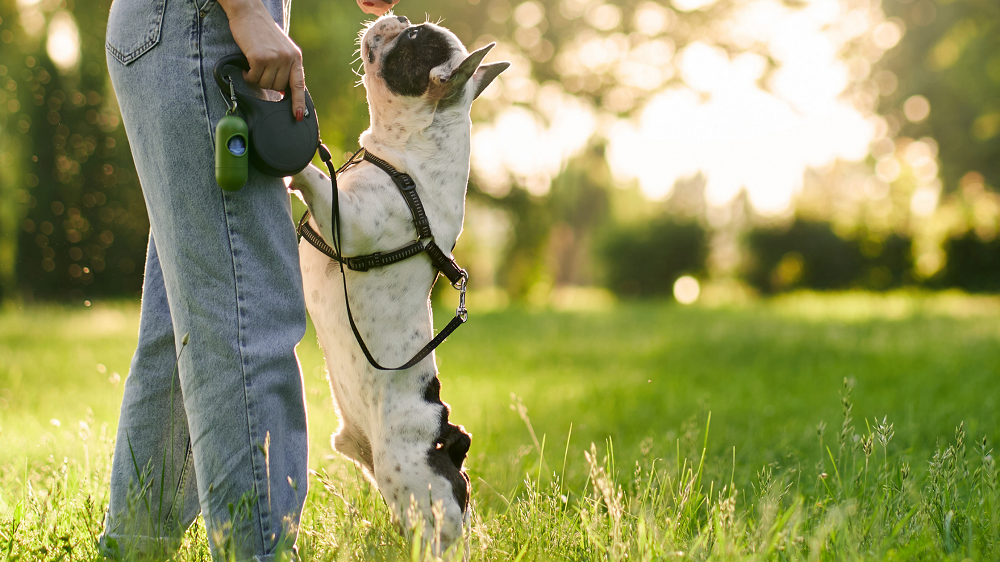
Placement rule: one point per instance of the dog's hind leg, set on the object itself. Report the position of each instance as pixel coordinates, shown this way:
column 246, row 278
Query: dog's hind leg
column 354, row 444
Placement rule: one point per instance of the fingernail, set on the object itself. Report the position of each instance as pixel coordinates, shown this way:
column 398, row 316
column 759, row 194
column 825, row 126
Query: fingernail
column 369, row 4
column 298, row 114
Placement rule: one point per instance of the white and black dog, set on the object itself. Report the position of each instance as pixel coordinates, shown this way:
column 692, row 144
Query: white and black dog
column 421, row 83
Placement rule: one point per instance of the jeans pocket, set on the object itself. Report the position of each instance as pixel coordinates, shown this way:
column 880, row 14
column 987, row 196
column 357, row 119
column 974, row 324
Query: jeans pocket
column 134, row 28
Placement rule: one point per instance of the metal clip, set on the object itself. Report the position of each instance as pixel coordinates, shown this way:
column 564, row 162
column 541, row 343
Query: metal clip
column 461, row 312
column 231, row 102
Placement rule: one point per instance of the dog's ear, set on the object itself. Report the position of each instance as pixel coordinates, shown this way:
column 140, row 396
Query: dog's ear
column 486, row 73
column 454, row 84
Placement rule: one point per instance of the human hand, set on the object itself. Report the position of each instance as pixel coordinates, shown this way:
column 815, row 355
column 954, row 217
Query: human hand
column 275, row 61
column 376, row 7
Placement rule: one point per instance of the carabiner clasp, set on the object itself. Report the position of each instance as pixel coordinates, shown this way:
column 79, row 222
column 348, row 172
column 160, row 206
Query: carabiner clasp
column 461, row 311
column 231, row 101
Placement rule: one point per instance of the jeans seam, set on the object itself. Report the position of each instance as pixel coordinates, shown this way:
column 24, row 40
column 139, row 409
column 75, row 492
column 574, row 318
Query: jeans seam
column 239, row 312
column 262, row 520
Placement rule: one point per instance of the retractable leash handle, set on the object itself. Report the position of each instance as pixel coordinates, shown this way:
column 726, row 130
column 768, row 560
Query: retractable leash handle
column 279, row 145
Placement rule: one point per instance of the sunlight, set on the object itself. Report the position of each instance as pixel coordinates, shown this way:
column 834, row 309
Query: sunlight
column 722, row 123
column 63, row 44
column 533, row 151
column 686, row 289
column 31, row 17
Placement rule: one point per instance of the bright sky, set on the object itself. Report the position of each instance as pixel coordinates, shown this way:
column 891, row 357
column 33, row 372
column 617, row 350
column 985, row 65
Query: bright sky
column 741, row 136
column 720, row 122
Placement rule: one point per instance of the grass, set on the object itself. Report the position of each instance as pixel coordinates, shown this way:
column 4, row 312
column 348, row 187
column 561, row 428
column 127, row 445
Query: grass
column 820, row 427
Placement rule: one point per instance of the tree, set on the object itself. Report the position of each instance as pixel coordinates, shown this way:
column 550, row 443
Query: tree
column 950, row 55
column 70, row 193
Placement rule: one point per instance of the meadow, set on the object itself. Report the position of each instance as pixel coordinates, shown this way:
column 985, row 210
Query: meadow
column 807, row 427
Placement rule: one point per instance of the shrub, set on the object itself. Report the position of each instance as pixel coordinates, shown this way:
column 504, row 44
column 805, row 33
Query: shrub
column 810, row 255
column 645, row 260
column 973, row 264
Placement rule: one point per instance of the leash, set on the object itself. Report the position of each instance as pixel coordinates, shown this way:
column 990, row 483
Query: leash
column 458, row 277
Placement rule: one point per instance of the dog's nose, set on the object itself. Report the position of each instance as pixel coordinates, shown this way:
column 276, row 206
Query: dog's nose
column 403, row 20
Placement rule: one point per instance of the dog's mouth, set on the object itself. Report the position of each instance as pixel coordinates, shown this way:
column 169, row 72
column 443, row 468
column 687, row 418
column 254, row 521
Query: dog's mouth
column 383, row 33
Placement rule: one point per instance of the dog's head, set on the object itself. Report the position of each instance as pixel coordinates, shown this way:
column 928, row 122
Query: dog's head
column 425, row 63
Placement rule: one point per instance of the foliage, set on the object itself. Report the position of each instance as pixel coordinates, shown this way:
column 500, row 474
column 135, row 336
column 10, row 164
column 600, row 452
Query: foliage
column 811, row 255
column 973, row 264
column 646, row 259
column 552, row 236
column 948, row 55
column 65, row 166
column 69, row 185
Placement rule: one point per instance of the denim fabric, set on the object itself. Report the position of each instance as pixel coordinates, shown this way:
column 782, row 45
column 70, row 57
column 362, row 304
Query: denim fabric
column 224, row 434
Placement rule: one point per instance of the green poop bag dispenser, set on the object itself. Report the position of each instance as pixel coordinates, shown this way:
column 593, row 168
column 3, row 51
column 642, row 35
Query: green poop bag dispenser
column 232, row 161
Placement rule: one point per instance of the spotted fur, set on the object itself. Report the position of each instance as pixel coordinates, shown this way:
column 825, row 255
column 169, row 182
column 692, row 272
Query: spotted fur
column 421, row 83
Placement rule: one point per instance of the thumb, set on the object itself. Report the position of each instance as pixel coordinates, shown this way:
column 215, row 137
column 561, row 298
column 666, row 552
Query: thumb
column 297, row 83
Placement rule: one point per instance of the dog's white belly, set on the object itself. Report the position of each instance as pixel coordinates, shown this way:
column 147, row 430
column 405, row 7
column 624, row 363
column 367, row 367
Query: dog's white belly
column 391, row 311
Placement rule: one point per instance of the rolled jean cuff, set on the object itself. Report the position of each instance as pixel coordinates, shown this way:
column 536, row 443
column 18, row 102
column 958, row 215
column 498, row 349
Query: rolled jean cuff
column 156, row 548
column 136, row 546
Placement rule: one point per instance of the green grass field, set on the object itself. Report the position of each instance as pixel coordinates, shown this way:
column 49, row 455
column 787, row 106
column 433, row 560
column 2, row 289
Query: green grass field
column 718, row 432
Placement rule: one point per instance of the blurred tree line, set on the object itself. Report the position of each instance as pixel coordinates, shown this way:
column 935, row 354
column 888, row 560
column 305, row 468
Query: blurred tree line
column 932, row 212
column 72, row 220
column 73, row 224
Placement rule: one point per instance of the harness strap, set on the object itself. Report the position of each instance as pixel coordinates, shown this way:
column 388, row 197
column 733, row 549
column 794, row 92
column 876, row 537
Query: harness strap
column 306, row 231
column 408, row 189
column 444, row 264
column 425, row 238
column 357, row 263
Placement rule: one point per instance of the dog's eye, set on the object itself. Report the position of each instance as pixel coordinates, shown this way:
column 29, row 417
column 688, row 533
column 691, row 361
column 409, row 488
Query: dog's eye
column 413, row 33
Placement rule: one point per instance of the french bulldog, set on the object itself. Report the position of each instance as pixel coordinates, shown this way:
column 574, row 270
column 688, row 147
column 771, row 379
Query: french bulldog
column 420, row 82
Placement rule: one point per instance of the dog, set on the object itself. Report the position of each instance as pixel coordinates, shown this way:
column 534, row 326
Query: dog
column 420, row 82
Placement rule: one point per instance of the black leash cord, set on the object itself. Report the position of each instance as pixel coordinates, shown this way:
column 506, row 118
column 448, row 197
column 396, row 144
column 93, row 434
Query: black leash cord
column 460, row 317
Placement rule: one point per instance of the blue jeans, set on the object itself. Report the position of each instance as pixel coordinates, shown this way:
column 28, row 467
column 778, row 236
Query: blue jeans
column 224, row 434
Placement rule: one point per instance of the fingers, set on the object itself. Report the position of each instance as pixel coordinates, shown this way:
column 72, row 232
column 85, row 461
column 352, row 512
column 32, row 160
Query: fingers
column 277, row 71
column 297, row 81
column 267, row 77
column 376, row 7
column 279, row 76
column 272, row 55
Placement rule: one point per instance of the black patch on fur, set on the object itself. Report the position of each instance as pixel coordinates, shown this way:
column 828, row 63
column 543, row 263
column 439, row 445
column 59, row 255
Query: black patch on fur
column 449, row 449
column 407, row 68
column 446, row 456
column 432, row 392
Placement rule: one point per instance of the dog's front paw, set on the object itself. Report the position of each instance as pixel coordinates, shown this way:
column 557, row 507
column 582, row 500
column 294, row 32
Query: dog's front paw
column 309, row 182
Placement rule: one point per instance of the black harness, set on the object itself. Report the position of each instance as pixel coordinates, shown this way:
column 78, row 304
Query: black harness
column 424, row 243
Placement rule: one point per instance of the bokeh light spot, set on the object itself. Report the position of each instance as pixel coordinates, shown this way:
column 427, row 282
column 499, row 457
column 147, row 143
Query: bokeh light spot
column 686, row 289
column 917, row 109
column 63, row 43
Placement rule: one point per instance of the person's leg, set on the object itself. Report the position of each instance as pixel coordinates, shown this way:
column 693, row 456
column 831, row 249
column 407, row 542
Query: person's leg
column 232, row 280
column 154, row 497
